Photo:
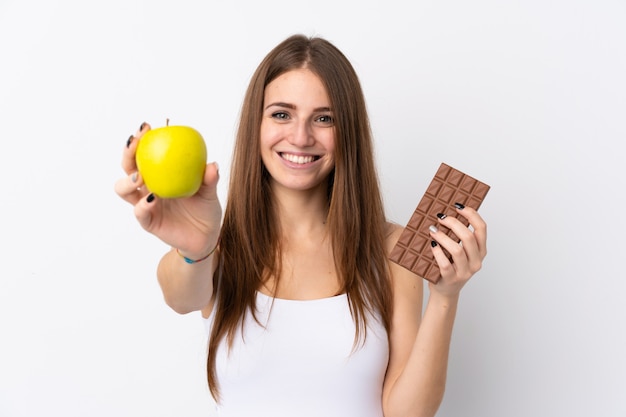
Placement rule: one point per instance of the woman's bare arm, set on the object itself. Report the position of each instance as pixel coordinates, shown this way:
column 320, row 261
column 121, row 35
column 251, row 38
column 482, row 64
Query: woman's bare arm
column 420, row 346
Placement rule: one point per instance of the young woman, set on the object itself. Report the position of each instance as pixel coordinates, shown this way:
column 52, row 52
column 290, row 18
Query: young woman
column 306, row 315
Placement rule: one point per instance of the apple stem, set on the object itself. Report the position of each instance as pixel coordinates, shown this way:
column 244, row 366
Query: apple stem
column 167, row 122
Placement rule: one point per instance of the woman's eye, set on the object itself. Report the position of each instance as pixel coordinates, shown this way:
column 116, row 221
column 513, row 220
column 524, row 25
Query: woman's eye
column 280, row 115
column 326, row 119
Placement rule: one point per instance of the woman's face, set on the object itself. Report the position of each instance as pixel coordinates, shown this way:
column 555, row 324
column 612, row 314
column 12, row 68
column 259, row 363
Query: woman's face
column 297, row 131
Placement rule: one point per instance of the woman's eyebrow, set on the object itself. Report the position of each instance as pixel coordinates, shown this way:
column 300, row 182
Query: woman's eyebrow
column 280, row 104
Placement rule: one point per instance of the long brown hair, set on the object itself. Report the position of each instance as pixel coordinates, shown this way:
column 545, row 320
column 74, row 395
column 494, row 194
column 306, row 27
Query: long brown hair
column 249, row 249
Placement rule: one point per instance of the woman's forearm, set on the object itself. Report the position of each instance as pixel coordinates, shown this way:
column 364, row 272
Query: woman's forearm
column 186, row 287
column 420, row 387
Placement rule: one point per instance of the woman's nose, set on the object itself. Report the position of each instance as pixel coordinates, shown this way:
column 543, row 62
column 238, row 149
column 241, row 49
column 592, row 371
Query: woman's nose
column 302, row 135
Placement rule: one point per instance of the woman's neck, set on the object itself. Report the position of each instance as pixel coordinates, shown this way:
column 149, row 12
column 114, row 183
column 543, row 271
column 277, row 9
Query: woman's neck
column 302, row 213
column 307, row 269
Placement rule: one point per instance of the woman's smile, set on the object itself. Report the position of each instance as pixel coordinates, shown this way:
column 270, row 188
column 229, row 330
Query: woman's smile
column 298, row 159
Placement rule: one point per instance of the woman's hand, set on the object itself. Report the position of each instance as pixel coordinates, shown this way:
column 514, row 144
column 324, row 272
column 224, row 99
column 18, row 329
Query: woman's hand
column 467, row 256
column 190, row 224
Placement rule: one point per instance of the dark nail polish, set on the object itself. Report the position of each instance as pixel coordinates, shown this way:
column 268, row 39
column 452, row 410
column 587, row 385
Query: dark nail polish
column 441, row 216
column 142, row 126
column 459, row 206
column 150, row 198
column 130, row 140
column 433, row 243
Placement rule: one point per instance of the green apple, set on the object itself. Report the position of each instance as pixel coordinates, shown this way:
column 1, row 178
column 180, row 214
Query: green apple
column 171, row 161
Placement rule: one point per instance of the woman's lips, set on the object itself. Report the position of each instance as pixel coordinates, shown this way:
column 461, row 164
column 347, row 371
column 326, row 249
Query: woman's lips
column 298, row 159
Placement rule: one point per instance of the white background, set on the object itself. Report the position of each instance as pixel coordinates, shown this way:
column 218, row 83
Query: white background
column 528, row 96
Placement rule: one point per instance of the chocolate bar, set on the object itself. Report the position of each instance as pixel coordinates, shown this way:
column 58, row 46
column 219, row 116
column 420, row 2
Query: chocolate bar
column 449, row 186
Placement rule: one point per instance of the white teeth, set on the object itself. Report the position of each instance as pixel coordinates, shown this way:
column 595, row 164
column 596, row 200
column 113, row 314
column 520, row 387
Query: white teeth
column 298, row 159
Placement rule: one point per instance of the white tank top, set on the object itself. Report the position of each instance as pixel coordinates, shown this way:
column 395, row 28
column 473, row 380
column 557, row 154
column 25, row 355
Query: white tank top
column 302, row 364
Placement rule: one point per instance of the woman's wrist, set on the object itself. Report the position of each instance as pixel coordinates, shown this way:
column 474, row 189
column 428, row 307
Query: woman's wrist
column 444, row 300
column 193, row 260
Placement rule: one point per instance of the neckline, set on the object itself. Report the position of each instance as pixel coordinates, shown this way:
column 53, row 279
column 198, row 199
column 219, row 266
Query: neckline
column 291, row 300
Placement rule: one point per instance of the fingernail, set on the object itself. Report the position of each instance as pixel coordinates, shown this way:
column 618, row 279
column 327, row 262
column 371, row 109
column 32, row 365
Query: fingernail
column 130, row 140
column 433, row 243
column 441, row 216
column 142, row 126
column 133, row 177
column 150, row 198
column 433, row 229
column 459, row 206
column 217, row 166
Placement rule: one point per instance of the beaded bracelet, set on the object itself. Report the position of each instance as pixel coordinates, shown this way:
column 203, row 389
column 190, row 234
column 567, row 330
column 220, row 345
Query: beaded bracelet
column 191, row 261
